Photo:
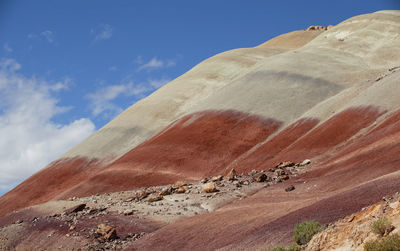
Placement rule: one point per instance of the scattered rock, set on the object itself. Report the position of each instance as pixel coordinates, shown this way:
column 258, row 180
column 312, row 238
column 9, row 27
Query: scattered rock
column 179, row 183
column 245, row 182
column 203, row 181
column 217, row 178
column 260, row 177
column 231, row 175
column 210, row 187
column 305, row 162
column 105, row 233
column 182, row 189
column 351, row 218
column 319, row 27
column 155, row 198
column 166, row 191
column 128, row 212
column 75, row 209
column 284, row 164
column 141, row 195
column 290, row 188
column 253, row 172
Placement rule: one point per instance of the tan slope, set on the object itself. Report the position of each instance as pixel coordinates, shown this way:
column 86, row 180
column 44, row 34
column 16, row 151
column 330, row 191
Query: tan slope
column 265, row 80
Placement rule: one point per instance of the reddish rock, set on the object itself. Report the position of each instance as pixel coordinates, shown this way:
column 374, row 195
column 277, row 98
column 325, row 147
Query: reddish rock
column 231, row 175
column 75, row 209
column 105, row 233
column 285, row 164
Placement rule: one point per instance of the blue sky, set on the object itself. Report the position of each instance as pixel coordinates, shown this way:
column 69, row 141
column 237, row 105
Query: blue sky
column 69, row 67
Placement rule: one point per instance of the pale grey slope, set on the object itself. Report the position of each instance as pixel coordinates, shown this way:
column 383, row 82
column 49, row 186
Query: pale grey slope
column 304, row 73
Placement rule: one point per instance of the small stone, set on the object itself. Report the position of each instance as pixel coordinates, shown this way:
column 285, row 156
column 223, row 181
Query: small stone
column 260, row 177
column 179, row 183
column 141, row 195
column 305, row 162
column 231, row 175
column 75, row 209
column 203, row 181
column 166, row 191
column 284, row 164
column 217, row 178
column 253, row 172
column 182, row 189
column 105, row 233
column 245, row 182
column 128, row 212
column 290, row 188
column 155, row 198
column 210, row 187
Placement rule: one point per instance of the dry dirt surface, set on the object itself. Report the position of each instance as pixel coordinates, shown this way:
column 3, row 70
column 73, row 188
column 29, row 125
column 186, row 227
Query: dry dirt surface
column 114, row 221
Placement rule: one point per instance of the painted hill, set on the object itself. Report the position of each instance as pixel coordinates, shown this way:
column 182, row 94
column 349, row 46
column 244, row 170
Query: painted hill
column 326, row 94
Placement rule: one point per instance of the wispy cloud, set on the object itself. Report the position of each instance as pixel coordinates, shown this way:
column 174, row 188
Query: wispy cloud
column 153, row 63
column 102, row 101
column 48, row 35
column 113, row 68
column 157, row 83
column 7, row 48
column 29, row 137
column 102, row 32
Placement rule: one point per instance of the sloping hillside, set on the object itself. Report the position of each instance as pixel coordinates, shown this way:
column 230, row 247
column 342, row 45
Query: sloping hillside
column 329, row 95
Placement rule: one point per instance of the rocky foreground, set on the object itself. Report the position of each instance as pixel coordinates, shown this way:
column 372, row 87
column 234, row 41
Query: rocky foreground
column 114, row 221
column 353, row 231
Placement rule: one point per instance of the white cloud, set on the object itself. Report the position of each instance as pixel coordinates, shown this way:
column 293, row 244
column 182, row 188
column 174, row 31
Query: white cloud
column 103, row 32
column 29, row 138
column 102, row 101
column 47, row 34
column 7, row 48
column 154, row 63
column 157, row 83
